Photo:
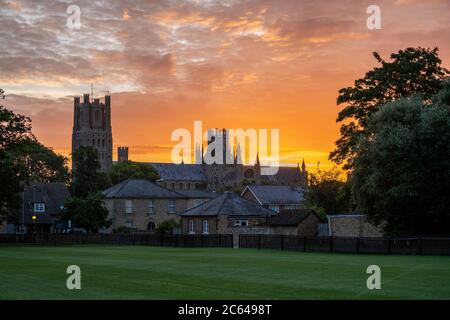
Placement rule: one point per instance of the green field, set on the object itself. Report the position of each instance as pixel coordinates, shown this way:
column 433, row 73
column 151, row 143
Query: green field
column 135, row 272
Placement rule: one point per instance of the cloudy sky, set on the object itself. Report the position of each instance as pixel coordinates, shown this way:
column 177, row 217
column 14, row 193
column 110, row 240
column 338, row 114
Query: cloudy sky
column 230, row 63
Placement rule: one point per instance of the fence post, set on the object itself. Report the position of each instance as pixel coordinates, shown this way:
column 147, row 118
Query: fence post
column 357, row 245
column 282, row 242
column 331, row 243
column 389, row 245
column 304, row 244
column 162, row 240
column 420, row 245
column 201, row 240
column 259, row 241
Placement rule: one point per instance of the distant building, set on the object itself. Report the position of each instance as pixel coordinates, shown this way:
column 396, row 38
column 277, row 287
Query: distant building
column 300, row 222
column 92, row 127
column 142, row 205
column 122, row 154
column 352, row 225
column 226, row 214
column 273, row 197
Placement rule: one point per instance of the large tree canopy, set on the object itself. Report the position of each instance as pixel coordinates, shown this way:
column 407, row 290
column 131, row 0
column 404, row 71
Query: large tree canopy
column 23, row 160
column 132, row 170
column 413, row 71
column 401, row 174
column 87, row 177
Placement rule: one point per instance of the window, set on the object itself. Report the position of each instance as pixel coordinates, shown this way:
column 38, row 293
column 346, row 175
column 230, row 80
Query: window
column 128, row 206
column 97, row 116
column 191, row 226
column 172, row 206
column 151, row 206
column 241, row 223
column 39, row 207
column 205, row 226
column 275, row 208
column 151, row 226
column 103, row 142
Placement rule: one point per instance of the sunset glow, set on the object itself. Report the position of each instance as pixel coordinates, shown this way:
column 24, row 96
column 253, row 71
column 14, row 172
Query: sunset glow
column 231, row 64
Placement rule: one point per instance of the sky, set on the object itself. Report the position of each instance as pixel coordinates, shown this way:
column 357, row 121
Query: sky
column 271, row 64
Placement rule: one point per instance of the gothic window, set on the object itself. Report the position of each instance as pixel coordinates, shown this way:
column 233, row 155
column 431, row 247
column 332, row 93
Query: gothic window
column 97, row 116
column 151, row 226
column 103, row 142
column 93, row 142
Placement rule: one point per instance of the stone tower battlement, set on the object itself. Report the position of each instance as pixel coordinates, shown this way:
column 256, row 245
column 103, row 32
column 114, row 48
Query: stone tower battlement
column 92, row 127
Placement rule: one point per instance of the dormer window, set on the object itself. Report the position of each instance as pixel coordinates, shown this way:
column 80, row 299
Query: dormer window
column 39, row 207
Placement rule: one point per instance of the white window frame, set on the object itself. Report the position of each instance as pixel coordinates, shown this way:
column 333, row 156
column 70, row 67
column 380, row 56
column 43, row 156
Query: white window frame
column 191, row 227
column 128, row 206
column 239, row 223
column 39, row 207
column 205, row 226
column 151, row 206
column 129, row 224
column 172, row 207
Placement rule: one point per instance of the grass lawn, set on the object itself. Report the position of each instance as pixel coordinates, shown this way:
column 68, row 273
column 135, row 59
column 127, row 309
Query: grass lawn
column 137, row 272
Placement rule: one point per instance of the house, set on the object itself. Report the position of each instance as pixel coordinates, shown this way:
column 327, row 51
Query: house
column 300, row 222
column 197, row 197
column 42, row 206
column 352, row 225
column 141, row 205
column 226, row 214
column 276, row 198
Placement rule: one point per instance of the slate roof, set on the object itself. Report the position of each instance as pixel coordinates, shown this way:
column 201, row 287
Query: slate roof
column 198, row 194
column 285, row 175
column 291, row 217
column 179, row 172
column 267, row 194
column 140, row 189
column 228, row 204
column 53, row 195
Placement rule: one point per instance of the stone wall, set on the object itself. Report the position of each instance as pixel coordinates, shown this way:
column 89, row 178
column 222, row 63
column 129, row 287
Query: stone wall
column 141, row 216
column 352, row 226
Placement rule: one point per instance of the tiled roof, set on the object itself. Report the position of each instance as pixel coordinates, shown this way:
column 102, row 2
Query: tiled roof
column 291, row 217
column 285, row 175
column 268, row 194
column 229, row 204
column 198, row 194
column 140, row 189
column 179, row 172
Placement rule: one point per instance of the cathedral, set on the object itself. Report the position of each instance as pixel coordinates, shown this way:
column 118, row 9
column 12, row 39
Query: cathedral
column 92, row 127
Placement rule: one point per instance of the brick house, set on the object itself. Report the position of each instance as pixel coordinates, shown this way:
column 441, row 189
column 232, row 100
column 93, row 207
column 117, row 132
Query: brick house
column 226, row 214
column 276, row 198
column 141, row 205
column 352, row 225
column 301, row 222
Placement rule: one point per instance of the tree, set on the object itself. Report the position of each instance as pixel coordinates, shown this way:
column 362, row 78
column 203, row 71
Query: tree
column 328, row 193
column 132, row 170
column 167, row 226
column 413, row 71
column 23, row 160
column 87, row 177
column 402, row 168
column 89, row 213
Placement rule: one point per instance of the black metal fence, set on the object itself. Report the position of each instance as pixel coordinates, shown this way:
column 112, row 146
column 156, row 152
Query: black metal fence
column 413, row 246
column 417, row 245
column 193, row 241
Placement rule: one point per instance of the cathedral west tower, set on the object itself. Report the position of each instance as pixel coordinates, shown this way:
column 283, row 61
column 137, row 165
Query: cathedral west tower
column 92, row 127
